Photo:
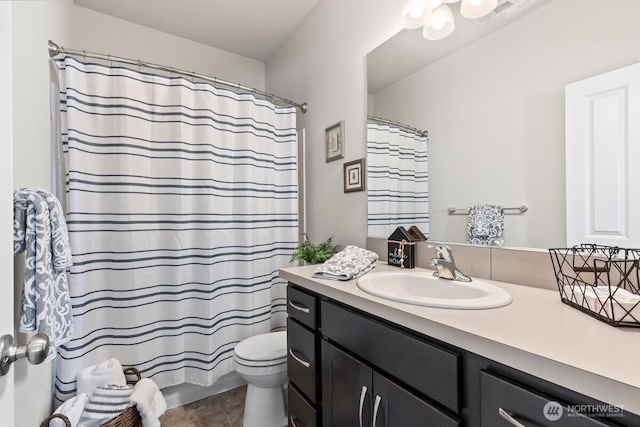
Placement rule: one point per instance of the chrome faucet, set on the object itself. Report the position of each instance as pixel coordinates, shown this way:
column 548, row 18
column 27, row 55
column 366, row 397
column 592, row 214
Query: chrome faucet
column 446, row 265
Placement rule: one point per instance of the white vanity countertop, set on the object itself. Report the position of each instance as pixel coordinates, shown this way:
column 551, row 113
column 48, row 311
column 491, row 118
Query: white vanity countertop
column 536, row 333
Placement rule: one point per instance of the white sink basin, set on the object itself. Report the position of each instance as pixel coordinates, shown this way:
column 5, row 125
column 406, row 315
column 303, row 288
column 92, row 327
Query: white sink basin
column 421, row 288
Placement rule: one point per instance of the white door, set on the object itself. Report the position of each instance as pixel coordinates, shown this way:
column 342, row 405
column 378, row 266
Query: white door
column 603, row 159
column 6, row 204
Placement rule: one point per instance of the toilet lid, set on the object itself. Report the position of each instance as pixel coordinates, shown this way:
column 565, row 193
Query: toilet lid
column 263, row 347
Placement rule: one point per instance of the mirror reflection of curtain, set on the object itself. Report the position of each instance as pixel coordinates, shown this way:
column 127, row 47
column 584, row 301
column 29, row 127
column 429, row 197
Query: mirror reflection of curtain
column 397, row 179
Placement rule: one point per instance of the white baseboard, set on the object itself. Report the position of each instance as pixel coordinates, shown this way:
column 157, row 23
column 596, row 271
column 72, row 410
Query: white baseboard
column 182, row 394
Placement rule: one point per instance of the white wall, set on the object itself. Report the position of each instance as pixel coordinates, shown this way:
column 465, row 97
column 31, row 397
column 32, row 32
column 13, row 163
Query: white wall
column 495, row 113
column 324, row 63
column 93, row 31
column 33, row 24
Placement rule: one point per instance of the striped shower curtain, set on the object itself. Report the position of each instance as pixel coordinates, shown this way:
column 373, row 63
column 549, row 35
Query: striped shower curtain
column 397, row 180
column 181, row 207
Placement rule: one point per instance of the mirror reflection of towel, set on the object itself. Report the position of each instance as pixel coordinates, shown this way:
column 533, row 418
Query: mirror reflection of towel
column 485, row 224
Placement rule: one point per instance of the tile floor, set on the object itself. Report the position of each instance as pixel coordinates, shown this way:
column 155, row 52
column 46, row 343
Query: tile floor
column 222, row 410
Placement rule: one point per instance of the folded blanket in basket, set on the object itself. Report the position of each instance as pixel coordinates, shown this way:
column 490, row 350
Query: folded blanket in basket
column 106, row 403
column 350, row 263
column 107, row 372
column 149, row 401
column 72, row 409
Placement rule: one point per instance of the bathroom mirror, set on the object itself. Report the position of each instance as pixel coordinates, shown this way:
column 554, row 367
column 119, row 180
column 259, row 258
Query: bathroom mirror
column 494, row 107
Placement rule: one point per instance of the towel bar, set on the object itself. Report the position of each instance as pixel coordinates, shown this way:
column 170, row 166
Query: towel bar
column 460, row 211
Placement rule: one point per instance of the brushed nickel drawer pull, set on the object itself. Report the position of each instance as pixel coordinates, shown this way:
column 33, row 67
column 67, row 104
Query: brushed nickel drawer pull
column 507, row 416
column 299, row 307
column 292, row 421
column 376, row 407
column 363, row 394
column 300, row 361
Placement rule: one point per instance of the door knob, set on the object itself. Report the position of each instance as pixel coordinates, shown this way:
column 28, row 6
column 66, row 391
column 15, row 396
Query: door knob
column 35, row 351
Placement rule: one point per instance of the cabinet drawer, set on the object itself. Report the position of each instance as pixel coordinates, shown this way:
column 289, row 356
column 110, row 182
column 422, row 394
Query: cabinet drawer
column 301, row 414
column 302, row 307
column 301, row 363
column 429, row 369
column 524, row 406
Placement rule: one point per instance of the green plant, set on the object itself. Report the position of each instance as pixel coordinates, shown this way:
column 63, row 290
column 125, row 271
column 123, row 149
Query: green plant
column 312, row 253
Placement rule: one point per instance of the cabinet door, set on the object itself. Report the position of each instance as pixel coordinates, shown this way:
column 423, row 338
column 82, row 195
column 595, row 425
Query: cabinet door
column 393, row 406
column 346, row 389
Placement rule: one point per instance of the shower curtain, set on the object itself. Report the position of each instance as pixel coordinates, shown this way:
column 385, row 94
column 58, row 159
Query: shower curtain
column 397, row 180
column 181, row 207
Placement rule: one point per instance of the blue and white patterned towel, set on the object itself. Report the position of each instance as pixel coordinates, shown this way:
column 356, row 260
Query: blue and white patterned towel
column 350, row 263
column 485, row 224
column 39, row 228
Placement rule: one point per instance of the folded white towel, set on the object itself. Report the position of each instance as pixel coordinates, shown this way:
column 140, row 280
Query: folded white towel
column 106, row 403
column 107, row 372
column 72, row 409
column 149, row 401
column 350, row 263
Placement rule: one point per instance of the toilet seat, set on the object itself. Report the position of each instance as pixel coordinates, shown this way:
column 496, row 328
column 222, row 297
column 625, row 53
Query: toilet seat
column 268, row 349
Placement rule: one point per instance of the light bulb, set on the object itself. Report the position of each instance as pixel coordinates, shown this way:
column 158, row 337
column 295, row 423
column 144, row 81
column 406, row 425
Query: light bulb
column 477, row 8
column 438, row 22
column 415, row 13
column 441, row 24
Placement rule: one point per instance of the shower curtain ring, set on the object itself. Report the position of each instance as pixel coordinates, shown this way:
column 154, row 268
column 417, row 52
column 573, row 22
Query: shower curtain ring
column 139, row 65
column 84, row 56
column 110, row 60
column 193, row 77
column 170, row 71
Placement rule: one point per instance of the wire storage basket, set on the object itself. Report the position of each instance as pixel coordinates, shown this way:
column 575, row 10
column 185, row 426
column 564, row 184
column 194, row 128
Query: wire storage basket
column 129, row 418
column 602, row 281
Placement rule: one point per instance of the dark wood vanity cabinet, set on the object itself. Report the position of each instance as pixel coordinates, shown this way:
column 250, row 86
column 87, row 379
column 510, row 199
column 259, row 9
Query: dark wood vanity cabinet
column 302, row 363
column 355, row 394
column 348, row 368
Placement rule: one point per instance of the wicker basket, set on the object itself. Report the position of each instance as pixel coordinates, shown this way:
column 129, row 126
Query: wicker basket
column 129, row 418
column 601, row 281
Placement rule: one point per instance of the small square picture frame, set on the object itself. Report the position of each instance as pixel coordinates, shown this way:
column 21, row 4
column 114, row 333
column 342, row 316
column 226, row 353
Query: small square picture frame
column 354, row 176
column 334, row 142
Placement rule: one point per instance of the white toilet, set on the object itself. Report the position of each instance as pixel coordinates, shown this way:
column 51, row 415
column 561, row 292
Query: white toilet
column 261, row 361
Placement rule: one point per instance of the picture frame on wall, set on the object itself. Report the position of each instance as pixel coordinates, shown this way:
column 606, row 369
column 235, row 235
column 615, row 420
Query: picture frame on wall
column 354, row 176
column 334, row 142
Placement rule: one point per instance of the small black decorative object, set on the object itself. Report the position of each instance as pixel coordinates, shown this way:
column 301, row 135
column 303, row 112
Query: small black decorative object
column 401, row 249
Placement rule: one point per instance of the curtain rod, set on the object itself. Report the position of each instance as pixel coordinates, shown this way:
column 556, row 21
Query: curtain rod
column 400, row 125
column 55, row 50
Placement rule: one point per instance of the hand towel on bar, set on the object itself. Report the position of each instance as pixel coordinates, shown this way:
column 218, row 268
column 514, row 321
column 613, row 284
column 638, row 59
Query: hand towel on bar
column 350, row 263
column 72, row 409
column 485, row 224
column 107, row 372
column 39, row 228
column 106, row 403
column 149, row 401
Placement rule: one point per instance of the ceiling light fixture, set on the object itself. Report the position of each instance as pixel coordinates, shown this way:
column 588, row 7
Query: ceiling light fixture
column 436, row 16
